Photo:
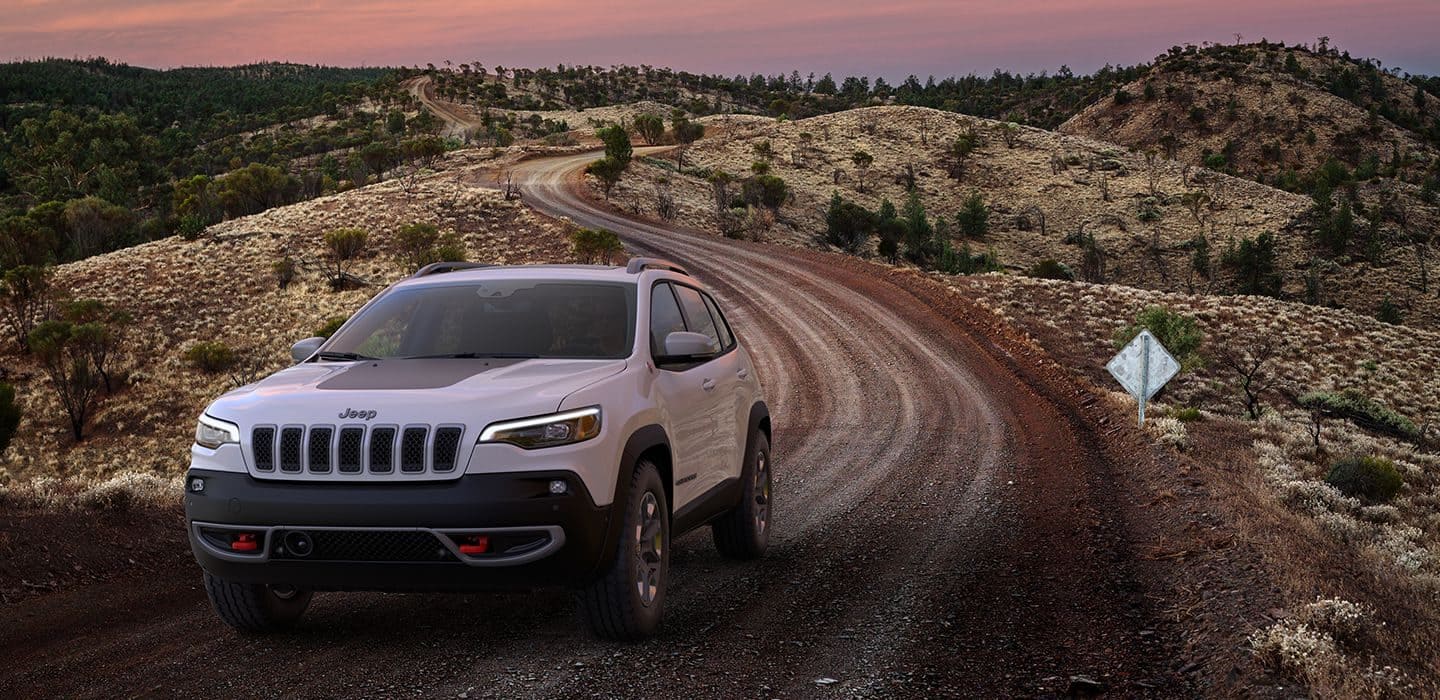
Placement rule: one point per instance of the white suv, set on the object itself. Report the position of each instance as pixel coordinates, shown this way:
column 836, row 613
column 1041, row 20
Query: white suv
column 476, row 427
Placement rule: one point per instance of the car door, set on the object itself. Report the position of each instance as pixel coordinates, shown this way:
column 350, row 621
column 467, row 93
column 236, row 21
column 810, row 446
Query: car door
column 718, row 380
column 739, row 384
column 682, row 398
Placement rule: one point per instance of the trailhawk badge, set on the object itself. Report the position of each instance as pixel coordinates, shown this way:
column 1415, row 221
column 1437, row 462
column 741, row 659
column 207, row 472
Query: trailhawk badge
column 362, row 415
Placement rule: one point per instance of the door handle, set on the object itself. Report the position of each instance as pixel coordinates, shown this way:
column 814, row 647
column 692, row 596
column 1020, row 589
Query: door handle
column 708, row 384
column 742, row 373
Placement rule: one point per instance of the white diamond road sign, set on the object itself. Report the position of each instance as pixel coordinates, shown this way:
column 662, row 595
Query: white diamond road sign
column 1142, row 367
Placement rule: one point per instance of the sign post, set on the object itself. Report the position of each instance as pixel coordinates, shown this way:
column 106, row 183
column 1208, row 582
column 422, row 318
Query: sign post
column 1143, row 367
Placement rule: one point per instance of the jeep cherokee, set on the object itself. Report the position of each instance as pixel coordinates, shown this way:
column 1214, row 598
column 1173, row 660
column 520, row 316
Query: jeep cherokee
column 479, row 427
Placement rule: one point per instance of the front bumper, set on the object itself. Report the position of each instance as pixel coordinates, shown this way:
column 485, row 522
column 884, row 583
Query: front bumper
column 580, row 534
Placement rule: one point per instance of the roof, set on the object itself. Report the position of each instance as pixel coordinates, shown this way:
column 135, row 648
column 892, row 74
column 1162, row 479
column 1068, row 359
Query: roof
column 438, row 274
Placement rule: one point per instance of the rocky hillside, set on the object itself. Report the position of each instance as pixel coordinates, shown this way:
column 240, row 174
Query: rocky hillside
column 221, row 287
column 1361, row 141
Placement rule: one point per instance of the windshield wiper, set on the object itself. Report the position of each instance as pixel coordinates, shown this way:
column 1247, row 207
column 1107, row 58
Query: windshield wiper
column 342, row 356
column 474, row 356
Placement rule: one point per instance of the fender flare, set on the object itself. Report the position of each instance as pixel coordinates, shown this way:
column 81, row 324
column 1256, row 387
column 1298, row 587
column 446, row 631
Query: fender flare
column 643, row 439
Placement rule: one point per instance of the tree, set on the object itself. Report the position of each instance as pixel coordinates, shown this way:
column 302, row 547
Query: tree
column 64, row 350
column 341, row 246
column 1009, row 133
column 686, row 132
column 593, row 246
column 973, row 217
column 848, row 225
column 650, row 127
column 93, row 225
column 9, row 415
column 255, row 188
column 617, row 144
column 891, row 230
column 416, row 245
column 919, row 234
column 108, row 347
column 767, row 190
column 24, row 241
column 1249, row 360
column 720, row 187
column 608, row 171
column 862, row 161
column 1254, row 263
column 25, row 293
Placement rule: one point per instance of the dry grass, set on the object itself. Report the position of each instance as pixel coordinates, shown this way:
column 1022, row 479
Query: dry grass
column 221, row 287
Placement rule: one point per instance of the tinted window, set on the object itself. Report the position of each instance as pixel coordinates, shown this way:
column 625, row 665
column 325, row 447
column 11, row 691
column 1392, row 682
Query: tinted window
column 496, row 317
column 665, row 317
column 697, row 317
column 727, row 338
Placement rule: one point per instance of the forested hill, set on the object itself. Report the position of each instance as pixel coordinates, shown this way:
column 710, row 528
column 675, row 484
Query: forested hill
column 239, row 97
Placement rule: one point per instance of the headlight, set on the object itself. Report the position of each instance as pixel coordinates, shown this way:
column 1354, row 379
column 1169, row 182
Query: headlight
column 212, row 433
column 546, row 431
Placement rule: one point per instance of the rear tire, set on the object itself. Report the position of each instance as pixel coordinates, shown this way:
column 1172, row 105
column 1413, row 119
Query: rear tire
column 254, row 607
column 744, row 532
column 626, row 602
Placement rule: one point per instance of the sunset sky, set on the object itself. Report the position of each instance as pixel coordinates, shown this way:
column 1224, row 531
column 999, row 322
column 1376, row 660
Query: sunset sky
column 890, row 39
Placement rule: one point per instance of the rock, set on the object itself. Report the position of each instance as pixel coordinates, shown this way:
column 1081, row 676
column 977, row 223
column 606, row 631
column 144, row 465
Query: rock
column 1084, row 687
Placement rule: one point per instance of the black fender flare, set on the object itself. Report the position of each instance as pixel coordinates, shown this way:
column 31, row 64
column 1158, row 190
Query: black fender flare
column 642, row 440
column 759, row 414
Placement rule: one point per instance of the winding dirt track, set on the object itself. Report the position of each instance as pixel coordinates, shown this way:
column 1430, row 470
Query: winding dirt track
column 945, row 526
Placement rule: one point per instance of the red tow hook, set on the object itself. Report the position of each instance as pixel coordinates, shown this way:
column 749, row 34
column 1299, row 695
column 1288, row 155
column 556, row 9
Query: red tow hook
column 472, row 545
column 244, row 542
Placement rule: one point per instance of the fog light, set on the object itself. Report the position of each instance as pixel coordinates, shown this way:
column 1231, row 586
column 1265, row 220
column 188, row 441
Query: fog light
column 558, row 487
column 197, row 484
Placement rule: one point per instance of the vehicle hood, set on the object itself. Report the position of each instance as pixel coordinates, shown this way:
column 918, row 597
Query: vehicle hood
column 472, row 392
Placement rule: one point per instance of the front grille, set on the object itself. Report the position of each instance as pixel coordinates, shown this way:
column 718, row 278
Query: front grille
column 321, row 451
column 376, row 546
column 382, row 450
column 412, row 450
column 290, row 449
column 264, row 441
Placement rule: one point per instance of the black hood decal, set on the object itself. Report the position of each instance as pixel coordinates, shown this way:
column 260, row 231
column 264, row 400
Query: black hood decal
column 411, row 374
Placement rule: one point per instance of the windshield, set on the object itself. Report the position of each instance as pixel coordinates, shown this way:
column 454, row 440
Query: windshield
column 494, row 318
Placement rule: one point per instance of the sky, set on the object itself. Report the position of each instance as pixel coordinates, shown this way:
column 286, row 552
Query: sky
column 888, row 39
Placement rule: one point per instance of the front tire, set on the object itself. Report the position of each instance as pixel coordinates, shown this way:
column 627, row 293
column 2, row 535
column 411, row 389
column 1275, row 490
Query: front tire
column 744, row 532
column 626, row 602
column 255, row 607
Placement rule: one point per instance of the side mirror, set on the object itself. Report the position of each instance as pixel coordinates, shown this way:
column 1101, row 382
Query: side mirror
column 302, row 350
column 684, row 346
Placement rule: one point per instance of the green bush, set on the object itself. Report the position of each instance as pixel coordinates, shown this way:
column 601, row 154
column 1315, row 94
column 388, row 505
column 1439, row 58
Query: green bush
column 1364, row 411
column 210, row 356
column 1371, row 478
column 331, row 325
column 1050, row 269
column 1177, row 332
column 9, row 415
column 595, row 246
column 1189, row 414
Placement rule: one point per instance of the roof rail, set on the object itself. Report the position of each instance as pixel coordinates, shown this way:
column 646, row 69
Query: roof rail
column 642, row 264
column 439, row 267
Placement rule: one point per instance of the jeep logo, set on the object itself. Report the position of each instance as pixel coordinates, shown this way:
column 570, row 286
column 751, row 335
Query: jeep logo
column 352, row 413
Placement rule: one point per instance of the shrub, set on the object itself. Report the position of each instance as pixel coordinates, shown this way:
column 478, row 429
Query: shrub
column 1177, row 332
column 343, row 245
column 64, row 350
column 1364, row 411
column 1188, row 414
column 1389, row 312
column 1371, row 478
column 210, row 356
column 284, row 270
column 608, row 171
column 130, row 490
column 767, row 190
column 595, row 245
column 331, row 325
column 973, row 217
column 9, row 415
column 1050, row 269
column 25, row 293
column 848, row 225
column 1254, row 263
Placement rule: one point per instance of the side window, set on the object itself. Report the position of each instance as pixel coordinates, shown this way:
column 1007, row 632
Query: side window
column 727, row 338
column 665, row 317
column 697, row 317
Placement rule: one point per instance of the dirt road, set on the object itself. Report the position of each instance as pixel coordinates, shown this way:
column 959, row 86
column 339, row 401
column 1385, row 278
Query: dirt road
column 946, row 525
column 456, row 119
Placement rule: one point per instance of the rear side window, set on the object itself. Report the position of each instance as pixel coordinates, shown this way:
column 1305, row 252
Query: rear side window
column 697, row 316
column 727, row 339
column 665, row 317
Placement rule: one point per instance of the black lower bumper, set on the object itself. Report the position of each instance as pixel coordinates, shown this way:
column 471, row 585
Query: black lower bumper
column 476, row 502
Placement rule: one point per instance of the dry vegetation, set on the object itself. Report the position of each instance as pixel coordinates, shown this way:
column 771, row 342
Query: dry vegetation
column 1379, row 558
column 222, row 287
